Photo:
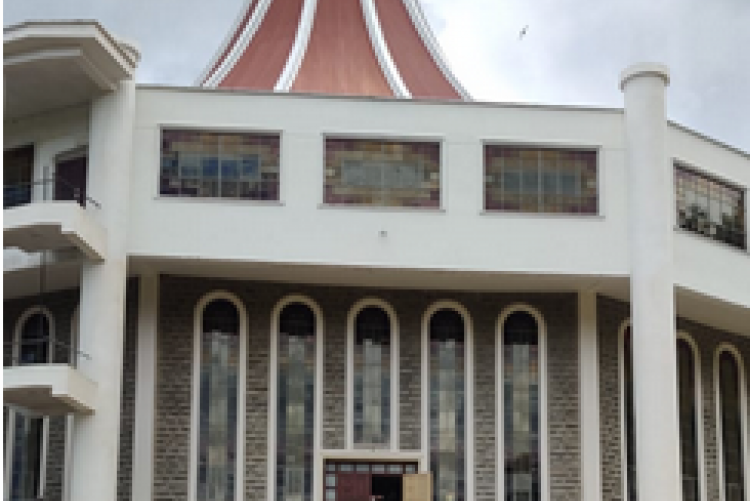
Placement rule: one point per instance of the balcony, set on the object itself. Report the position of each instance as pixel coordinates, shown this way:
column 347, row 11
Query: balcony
column 52, row 214
column 40, row 377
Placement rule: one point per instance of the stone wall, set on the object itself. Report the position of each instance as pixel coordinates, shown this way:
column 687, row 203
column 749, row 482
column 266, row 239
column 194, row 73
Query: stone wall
column 62, row 305
column 611, row 317
column 180, row 295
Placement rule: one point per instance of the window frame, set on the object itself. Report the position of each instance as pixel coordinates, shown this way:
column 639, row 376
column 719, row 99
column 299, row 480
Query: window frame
column 469, row 389
column 573, row 147
column 198, row 310
column 393, row 441
column 678, row 164
column 10, row 425
column 317, row 473
column 699, row 423
column 544, row 462
column 743, row 404
column 176, row 126
column 413, row 138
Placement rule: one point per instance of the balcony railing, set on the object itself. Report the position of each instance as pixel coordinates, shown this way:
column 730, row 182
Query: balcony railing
column 46, row 189
column 40, row 351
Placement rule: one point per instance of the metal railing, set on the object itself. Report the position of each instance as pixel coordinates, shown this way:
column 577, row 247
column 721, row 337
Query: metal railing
column 48, row 188
column 39, row 351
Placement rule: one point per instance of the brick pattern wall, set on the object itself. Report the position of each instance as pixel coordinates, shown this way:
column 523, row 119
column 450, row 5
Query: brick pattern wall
column 179, row 296
column 62, row 305
column 611, row 315
column 127, row 404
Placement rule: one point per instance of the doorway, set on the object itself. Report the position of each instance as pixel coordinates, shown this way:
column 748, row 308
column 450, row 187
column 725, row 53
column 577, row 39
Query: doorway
column 366, row 480
column 70, row 179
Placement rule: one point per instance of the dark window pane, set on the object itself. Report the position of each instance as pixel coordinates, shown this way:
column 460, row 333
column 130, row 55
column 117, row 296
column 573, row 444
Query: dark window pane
column 35, row 338
column 372, row 387
column 688, row 423
column 731, row 427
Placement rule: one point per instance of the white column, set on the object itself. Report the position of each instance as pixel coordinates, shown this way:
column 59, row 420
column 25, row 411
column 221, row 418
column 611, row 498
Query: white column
column 145, row 389
column 651, row 200
column 102, row 309
column 588, row 353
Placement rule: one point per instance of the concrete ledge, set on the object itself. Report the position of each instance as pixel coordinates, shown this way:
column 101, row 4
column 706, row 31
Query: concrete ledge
column 54, row 225
column 48, row 389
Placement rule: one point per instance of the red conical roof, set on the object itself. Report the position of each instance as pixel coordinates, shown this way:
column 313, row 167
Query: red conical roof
column 350, row 47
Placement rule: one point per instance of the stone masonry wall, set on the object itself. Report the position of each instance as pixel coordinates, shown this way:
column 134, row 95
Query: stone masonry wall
column 62, row 305
column 179, row 296
column 611, row 316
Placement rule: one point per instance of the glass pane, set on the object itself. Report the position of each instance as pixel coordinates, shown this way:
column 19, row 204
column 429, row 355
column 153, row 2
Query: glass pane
column 213, row 164
column 27, row 457
column 447, row 405
column 382, row 173
column 521, row 407
column 629, row 416
column 372, row 387
column 219, row 373
column 295, row 404
column 34, row 343
column 688, row 424
column 540, row 180
column 731, row 427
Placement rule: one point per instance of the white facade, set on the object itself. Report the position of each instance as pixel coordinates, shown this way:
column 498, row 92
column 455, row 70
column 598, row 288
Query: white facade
column 630, row 250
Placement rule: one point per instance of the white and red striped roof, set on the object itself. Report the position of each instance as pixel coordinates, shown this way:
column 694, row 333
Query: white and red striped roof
column 347, row 47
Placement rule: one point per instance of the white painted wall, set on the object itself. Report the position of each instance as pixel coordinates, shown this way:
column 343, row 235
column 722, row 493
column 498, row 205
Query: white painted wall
column 299, row 230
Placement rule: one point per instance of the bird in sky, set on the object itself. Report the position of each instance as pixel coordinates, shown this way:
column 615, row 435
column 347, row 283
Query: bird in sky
column 523, row 32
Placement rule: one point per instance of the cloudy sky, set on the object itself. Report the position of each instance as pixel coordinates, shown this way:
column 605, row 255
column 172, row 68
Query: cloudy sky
column 572, row 53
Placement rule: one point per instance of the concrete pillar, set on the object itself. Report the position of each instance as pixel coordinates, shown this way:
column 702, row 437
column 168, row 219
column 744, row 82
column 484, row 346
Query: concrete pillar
column 102, row 309
column 651, row 196
column 588, row 349
column 145, row 389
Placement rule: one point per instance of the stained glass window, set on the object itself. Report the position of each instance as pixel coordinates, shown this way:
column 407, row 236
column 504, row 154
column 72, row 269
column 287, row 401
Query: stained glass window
column 447, row 402
column 521, row 407
column 520, row 179
column 630, row 465
column 219, row 165
column 295, row 403
column 730, row 399
column 219, row 380
column 688, row 421
column 382, row 173
column 710, row 207
column 372, row 377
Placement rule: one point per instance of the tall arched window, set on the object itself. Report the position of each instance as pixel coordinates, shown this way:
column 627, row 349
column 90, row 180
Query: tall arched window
column 688, row 411
column 629, row 415
column 521, row 404
column 730, row 403
column 295, row 400
column 220, row 350
column 27, row 434
column 447, row 404
column 372, row 385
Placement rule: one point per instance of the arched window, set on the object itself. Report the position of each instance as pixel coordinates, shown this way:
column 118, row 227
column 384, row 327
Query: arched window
column 731, row 440
column 372, row 383
column 220, row 349
column 521, row 398
column 688, row 411
column 447, row 404
column 27, row 434
column 629, row 415
column 295, row 412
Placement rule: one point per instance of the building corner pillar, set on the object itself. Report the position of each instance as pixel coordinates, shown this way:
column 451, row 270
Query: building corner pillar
column 96, row 437
column 650, row 186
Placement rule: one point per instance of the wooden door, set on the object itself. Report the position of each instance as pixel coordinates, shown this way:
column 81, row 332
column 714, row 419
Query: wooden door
column 418, row 487
column 353, row 487
column 70, row 180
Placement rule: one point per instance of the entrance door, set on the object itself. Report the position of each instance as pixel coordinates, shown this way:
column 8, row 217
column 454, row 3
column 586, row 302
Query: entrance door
column 353, row 487
column 70, row 180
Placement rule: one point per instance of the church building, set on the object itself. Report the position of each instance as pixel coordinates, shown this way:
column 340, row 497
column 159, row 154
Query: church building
column 324, row 272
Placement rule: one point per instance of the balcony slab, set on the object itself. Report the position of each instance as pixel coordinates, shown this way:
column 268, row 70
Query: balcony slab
column 54, row 225
column 48, row 389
